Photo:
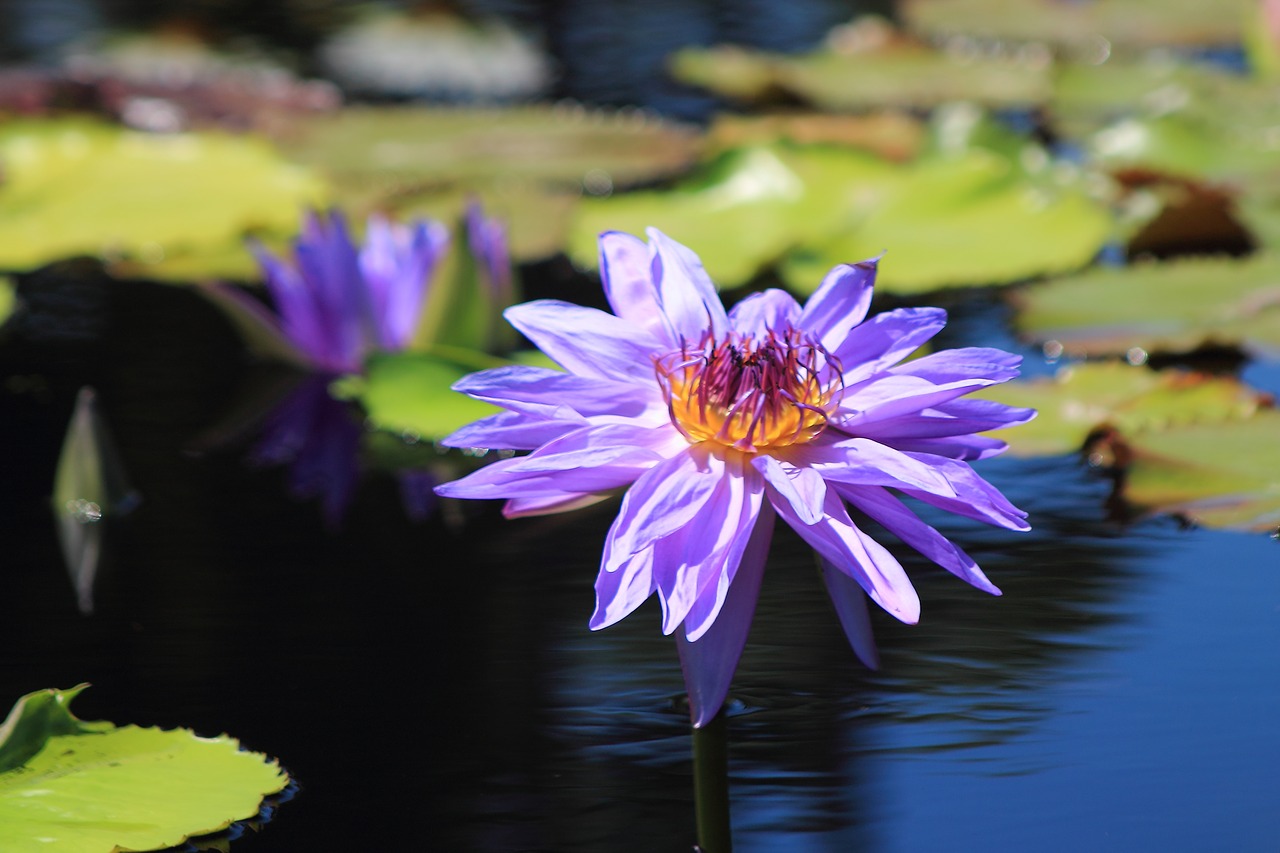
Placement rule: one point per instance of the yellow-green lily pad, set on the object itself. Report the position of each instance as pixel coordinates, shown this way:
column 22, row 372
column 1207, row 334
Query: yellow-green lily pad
column 895, row 75
column 1091, row 27
column 1176, row 306
column 391, row 149
column 410, row 392
column 1084, row 399
column 1219, row 475
column 69, row 786
column 182, row 202
column 982, row 206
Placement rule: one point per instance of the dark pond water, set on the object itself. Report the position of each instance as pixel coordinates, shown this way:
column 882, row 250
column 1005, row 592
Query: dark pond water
column 433, row 686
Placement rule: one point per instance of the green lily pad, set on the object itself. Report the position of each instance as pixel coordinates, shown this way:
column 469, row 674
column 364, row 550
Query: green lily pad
column 972, row 219
column 1187, row 146
column 410, row 393
column 895, row 75
column 982, row 205
column 1085, row 399
column 1176, row 306
column 892, row 134
column 69, row 786
column 746, row 209
column 391, row 149
column 1223, row 475
column 1089, row 27
column 173, row 206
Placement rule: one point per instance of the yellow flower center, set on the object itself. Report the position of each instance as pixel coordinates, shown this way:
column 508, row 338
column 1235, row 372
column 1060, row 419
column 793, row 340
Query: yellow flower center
column 751, row 395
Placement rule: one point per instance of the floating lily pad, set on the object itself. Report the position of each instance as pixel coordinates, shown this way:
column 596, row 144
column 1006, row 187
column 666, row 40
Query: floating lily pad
column 1176, row 306
column 973, row 219
column 400, row 148
column 410, row 393
column 982, row 206
column 892, row 134
column 893, row 75
column 69, row 786
column 1091, row 27
column 745, row 210
column 1218, row 475
column 1187, row 146
column 76, row 187
column 1085, row 398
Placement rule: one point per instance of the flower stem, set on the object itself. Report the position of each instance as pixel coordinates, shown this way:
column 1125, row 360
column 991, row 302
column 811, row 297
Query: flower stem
column 711, row 785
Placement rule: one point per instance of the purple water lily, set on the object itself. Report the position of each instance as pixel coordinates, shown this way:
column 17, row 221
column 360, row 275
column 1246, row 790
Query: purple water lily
column 716, row 423
column 337, row 303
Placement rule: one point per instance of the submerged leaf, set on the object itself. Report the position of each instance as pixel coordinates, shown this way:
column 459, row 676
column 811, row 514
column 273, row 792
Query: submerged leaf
column 176, row 205
column 89, row 486
column 67, row 786
column 1085, row 399
column 1177, row 306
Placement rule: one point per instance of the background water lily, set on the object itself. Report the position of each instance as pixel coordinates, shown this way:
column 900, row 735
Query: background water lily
column 719, row 421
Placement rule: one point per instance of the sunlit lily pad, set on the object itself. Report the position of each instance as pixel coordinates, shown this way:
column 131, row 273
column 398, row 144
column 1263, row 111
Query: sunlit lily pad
column 69, row 786
column 983, row 206
column 77, row 187
column 1176, row 306
column 410, row 393
column 1086, row 398
column 892, row 134
column 1188, row 146
column 973, row 219
column 888, row 76
column 1218, row 475
column 747, row 209
column 1092, row 26
column 414, row 147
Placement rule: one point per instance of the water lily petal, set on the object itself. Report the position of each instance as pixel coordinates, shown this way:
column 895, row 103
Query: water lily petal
column 903, row 523
column 511, row 431
column 661, row 502
column 965, row 447
column 839, row 303
column 885, row 340
column 709, row 662
column 890, row 396
column 862, row 461
column 697, row 563
column 524, row 507
column 587, row 341
column 954, row 418
column 850, row 602
column 802, row 487
column 950, row 365
column 555, row 394
column 620, row 592
column 760, row 313
column 837, row 539
column 592, row 459
column 689, row 299
column 627, row 276
column 975, row 497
